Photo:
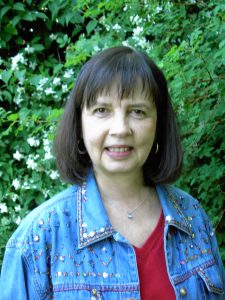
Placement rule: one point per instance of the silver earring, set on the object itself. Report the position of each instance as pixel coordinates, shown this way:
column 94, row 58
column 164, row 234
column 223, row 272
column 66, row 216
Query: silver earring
column 157, row 148
column 81, row 148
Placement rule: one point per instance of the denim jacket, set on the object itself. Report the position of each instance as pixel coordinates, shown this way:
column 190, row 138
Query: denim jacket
column 67, row 249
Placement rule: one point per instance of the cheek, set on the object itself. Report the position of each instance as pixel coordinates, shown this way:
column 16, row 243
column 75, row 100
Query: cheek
column 147, row 131
column 92, row 135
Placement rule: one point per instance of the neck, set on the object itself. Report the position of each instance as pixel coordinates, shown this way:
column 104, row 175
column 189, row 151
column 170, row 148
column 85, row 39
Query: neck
column 120, row 187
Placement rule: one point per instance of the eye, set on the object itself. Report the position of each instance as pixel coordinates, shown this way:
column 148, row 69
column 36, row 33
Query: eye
column 138, row 113
column 101, row 111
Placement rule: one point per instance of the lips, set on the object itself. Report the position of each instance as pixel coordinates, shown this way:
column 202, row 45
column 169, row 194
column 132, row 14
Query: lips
column 118, row 149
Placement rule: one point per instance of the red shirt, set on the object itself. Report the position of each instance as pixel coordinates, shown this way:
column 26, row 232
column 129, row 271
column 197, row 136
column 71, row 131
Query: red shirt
column 154, row 280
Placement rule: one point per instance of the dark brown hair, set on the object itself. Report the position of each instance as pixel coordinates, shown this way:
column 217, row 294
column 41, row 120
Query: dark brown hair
column 125, row 65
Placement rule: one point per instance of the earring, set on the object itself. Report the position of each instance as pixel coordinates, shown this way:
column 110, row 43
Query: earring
column 157, row 148
column 81, row 147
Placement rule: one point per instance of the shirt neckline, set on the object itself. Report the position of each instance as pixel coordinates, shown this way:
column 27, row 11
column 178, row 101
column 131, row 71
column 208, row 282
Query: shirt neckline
column 153, row 239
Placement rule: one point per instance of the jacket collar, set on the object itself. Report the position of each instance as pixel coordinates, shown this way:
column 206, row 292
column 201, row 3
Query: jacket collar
column 94, row 224
column 172, row 201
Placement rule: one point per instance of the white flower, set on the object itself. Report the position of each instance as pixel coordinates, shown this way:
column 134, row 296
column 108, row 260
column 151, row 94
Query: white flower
column 49, row 91
column 15, row 60
column 46, row 142
column 20, row 89
column 56, row 81
column 142, row 42
column 48, row 155
column 17, row 208
column 116, row 27
column 47, row 147
column 125, row 43
column 14, row 197
column 29, row 49
column 158, row 8
column 41, row 83
column 26, row 186
column 64, row 88
column 18, row 99
column 31, row 164
column 17, row 155
column 96, row 48
column 136, row 20
column 107, row 27
column 54, row 175
column 16, row 184
column 33, row 142
column 18, row 220
column 53, row 36
column 137, row 30
column 32, row 64
column 3, row 208
column 46, row 193
column 68, row 73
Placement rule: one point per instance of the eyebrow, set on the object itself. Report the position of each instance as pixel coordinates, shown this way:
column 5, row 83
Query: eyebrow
column 131, row 103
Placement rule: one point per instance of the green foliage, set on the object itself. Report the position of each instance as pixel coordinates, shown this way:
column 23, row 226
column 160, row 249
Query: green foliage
column 43, row 45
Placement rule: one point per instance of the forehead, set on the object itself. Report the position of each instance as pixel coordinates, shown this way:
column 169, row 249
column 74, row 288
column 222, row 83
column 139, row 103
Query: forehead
column 115, row 91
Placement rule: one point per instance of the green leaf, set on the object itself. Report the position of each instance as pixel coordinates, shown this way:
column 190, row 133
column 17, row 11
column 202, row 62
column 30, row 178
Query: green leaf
column 16, row 20
column 23, row 114
column 20, row 74
column 13, row 117
column 38, row 47
column 30, row 16
column 4, row 10
column 6, row 75
column 91, row 26
column 41, row 15
column 19, row 6
column 7, row 96
column 11, row 29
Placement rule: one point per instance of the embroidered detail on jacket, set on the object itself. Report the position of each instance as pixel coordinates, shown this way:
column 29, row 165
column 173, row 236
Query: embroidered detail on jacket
column 180, row 278
column 94, row 235
column 100, row 288
column 184, row 224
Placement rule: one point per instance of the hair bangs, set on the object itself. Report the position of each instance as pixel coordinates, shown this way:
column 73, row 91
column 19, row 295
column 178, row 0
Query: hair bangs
column 126, row 72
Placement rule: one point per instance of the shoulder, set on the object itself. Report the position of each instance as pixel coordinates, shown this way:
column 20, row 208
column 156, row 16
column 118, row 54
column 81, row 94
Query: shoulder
column 182, row 205
column 44, row 217
column 178, row 196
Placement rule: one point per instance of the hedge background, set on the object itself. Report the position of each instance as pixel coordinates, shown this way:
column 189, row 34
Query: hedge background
column 43, row 45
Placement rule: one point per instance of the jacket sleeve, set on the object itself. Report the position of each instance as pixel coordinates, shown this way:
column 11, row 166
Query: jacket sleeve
column 17, row 281
column 215, row 248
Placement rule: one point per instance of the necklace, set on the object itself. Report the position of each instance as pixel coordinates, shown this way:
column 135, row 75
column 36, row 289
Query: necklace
column 130, row 213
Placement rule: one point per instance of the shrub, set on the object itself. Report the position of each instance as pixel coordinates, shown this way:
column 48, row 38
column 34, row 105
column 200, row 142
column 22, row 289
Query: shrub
column 43, row 45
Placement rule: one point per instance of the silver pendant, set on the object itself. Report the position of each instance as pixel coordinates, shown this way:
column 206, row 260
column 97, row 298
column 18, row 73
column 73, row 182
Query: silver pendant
column 129, row 215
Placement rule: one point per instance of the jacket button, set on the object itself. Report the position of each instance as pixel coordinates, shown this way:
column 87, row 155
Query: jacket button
column 183, row 292
column 94, row 292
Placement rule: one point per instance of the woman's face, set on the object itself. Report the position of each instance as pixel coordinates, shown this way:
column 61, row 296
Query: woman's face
column 119, row 134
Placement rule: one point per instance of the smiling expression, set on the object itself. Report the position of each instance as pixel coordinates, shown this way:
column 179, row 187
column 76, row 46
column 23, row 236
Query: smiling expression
column 119, row 134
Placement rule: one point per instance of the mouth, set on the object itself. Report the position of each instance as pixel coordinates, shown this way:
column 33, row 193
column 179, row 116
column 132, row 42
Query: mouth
column 119, row 152
column 118, row 149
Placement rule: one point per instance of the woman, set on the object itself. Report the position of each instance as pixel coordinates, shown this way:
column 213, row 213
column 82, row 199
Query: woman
column 120, row 232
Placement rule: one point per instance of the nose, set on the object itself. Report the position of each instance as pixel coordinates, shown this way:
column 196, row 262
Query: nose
column 120, row 125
